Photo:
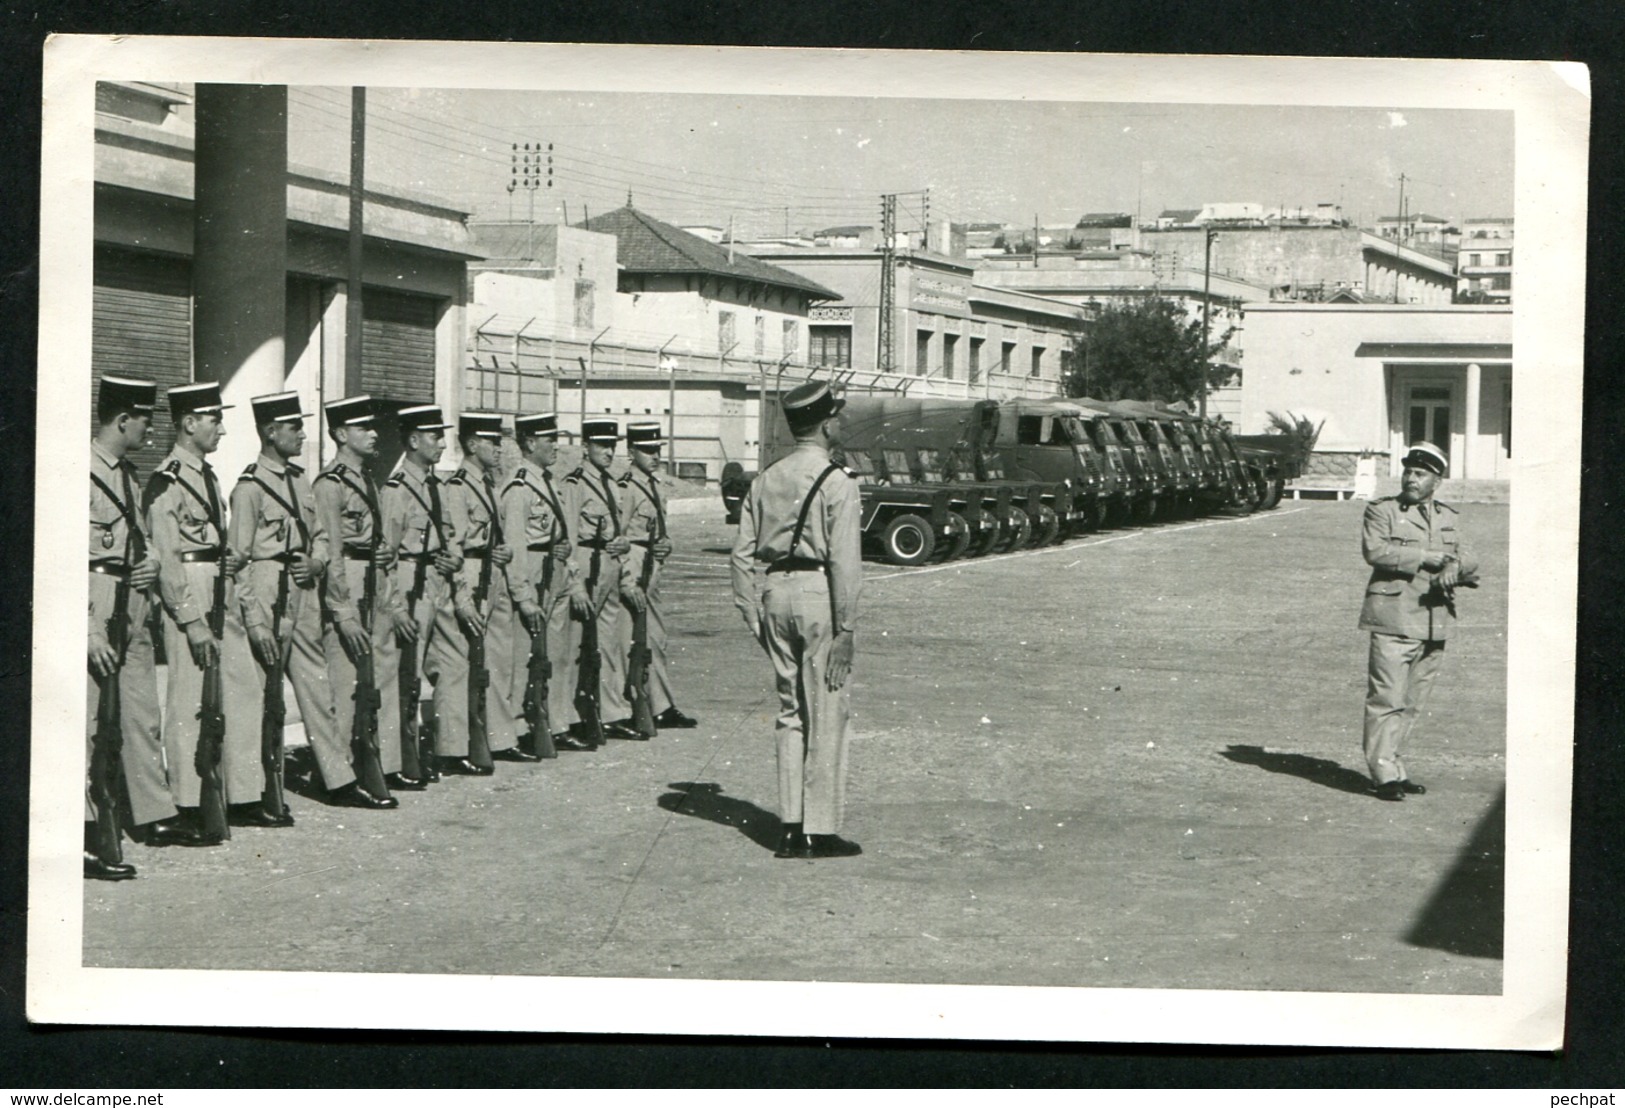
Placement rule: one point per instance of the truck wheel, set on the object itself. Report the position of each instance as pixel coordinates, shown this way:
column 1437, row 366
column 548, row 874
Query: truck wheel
column 987, row 541
column 907, row 541
column 1017, row 531
column 1048, row 527
column 957, row 542
column 1146, row 509
column 1272, row 495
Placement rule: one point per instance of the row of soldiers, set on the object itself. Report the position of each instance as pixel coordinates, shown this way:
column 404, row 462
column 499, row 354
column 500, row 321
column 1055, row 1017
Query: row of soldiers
column 531, row 607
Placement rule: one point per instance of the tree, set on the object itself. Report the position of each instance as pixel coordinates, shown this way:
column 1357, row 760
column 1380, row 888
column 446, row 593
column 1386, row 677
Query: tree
column 1144, row 350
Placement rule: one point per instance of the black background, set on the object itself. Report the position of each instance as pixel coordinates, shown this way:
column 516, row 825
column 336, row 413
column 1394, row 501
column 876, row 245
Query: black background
column 1590, row 31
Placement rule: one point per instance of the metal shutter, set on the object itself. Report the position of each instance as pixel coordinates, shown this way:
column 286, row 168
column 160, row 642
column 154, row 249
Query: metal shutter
column 398, row 344
column 141, row 326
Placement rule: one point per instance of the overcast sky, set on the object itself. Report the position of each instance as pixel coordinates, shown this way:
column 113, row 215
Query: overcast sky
column 811, row 162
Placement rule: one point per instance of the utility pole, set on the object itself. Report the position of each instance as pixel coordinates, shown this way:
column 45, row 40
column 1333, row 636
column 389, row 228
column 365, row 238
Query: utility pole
column 925, row 221
column 1207, row 309
column 885, row 357
column 1399, row 236
column 1035, row 240
column 353, row 273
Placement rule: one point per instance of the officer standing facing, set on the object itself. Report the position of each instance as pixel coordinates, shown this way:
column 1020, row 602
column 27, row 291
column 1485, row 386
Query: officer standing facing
column 471, row 501
column 275, row 625
column 417, row 527
column 119, row 648
column 347, row 505
column 1418, row 558
column 540, row 575
column 187, row 514
column 592, row 509
column 643, row 516
column 803, row 521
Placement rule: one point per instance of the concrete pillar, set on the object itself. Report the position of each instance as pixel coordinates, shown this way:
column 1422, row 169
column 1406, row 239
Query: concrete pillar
column 1469, row 425
column 240, row 254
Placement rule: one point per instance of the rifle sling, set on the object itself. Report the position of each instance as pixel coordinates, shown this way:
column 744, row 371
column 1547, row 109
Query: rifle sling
column 806, row 509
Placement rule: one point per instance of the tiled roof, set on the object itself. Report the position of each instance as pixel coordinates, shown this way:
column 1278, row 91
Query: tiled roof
column 646, row 245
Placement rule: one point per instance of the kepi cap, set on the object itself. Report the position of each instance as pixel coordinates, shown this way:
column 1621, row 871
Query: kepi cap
column 127, row 394
column 421, row 417
column 277, row 406
column 600, row 430
column 352, row 411
column 809, row 404
column 486, row 425
column 543, row 425
column 644, row 434
column 198, row 399
column 1428, row 457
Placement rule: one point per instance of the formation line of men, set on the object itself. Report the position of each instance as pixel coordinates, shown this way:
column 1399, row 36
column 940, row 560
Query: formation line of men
column 506, row 597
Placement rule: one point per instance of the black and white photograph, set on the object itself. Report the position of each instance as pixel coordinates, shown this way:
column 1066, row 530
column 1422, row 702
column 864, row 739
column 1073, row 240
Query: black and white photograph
column 726, row 541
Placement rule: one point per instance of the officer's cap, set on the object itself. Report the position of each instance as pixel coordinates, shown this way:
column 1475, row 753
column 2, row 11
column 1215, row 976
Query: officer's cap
column 352, row 411
column 127, row 394
column 600, row 430
column 543, row 425
column 1428, row 457
column 485, row 425
column 276, row 407
column 421, row 417
column 644, row 434
column 808, row 405
column 199, row 399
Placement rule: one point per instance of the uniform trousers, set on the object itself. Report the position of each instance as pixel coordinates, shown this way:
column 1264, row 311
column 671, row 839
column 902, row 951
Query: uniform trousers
column 183, row 690
column 305, row 665
column 141, row 755
column 438, row 662
column 386, row 664
column 611, row 662
column 555, row 605
column 619, row 706
column 446, row 664
column 798, row 629
column 1400, row 675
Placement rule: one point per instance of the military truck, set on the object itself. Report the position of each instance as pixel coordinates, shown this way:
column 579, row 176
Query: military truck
column 1153, row 479
column 1048, row 440
column 1181, row 472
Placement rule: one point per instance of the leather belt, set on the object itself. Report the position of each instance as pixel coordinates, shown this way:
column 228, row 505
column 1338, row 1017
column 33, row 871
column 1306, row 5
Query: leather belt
column 477, row 552
column 210, row 555
column 639, row 542
column 358, row 553
column 285, row 557
column 595, row 544
column 418, row 557
column 794, row 565
column 539, row 546
column 112, row 569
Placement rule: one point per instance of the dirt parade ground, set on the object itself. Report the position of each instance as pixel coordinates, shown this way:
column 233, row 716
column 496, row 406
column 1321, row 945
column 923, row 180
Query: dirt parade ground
column 1129, row 761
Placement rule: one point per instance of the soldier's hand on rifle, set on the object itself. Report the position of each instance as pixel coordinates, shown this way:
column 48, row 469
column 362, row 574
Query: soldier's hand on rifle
column 618, row 546
column 473, row 623
column 144, row 574
column 354, row 637
column 1433, row 560
column 302, row 567
column 406, row 629
column 201, row 642
column 1448, row 576
column 264, row 645
column 501, row 554
column 840, row 661
column 634, row 599
column 383, row 557
column 100, row 654
column 661, row 549
column 447, row 562
column 581, row 603
column 531, row 613
column 235, row 562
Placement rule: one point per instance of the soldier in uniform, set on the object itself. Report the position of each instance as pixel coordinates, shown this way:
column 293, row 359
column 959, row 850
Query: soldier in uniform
column 119, row 650
column 803, row 521
column 187, row 514
column 275, row 625
column 643, row 517
column 347, row 506
column 592, row 509
column 541, row 574
column 428, row 558
column 1418, row 557
column 471, row 503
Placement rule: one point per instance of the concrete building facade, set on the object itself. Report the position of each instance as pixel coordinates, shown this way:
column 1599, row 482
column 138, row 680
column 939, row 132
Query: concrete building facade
column 1485, row 261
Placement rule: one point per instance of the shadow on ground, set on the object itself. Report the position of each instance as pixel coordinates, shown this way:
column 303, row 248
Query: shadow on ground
column 1466, row 914
column 704, row 800
column 1321, row 771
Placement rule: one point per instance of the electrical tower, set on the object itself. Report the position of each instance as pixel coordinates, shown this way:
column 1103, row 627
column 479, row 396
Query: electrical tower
column 886, row 359
column 532, row 168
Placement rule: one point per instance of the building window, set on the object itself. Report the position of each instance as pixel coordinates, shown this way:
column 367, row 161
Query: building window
column 1501, row 281
column 726, row 338
column 1007, row 354
column 792, row 338
column 1475, row 259
column 761, row 336
column 831, row 346
column 973, row 367
column 1038, row 361
column 950, row 348
column 1503, row 259
column 584, row 303
column 922, row 352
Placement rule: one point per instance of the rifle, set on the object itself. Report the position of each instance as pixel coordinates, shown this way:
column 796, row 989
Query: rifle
column 587, row 669
column 637, row 666
column 105, row 768
column 479, row 676
column 537, row 679
column 275, row 716
column 369, row 769
column 1448, row 596
column 417, row 745
column 211, row 739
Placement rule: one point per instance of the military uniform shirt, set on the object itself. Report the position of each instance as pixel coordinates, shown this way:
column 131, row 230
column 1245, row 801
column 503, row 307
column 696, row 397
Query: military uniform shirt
column 186, row 513
column 1400, row 598
column 111, row 539
column 273, row 514
column 352, row 524
column 533, row 516
column 643, row 511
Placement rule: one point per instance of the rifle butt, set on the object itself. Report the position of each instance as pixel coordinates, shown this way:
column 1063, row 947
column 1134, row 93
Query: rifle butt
column 212, row 814
column 272, row 797
column 105, row 773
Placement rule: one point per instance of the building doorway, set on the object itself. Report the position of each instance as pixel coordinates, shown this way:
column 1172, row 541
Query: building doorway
column 1427, row 416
